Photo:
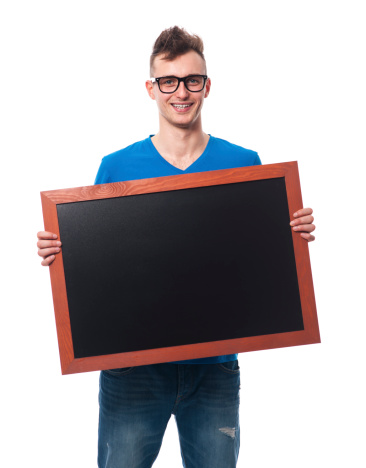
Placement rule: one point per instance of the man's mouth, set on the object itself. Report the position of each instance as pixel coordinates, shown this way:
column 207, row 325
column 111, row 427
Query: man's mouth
column 181, row 106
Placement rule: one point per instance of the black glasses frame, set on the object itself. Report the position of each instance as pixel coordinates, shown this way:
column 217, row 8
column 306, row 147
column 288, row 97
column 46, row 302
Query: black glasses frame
column 156, row 80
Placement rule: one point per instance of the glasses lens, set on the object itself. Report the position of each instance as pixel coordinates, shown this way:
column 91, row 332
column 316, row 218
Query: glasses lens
column 195, row 83
column 168, row 84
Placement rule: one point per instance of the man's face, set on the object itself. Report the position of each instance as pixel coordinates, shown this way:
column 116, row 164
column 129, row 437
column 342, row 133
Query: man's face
column 170, row 105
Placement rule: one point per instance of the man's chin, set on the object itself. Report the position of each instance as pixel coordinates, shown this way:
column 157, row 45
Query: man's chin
column 183, row 123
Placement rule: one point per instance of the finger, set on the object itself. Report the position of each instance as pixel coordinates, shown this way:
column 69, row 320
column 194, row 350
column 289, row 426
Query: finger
column 47, row 261
column 304, row 228
column 46, row 235
column 303, row 220
column 46, row 252
column 44, row 244
column 308, row 237
column 303, row 212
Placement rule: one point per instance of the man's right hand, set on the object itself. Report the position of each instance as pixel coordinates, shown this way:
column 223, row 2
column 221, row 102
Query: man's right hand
column 48, row 247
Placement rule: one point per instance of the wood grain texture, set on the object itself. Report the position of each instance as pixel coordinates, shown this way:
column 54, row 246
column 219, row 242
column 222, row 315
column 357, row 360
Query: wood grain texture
column 58, row 285
column 301, row 249
column 310, row 334
column 163, row 184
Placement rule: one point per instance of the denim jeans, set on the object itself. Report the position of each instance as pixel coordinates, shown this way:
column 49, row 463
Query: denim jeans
column 136, row 404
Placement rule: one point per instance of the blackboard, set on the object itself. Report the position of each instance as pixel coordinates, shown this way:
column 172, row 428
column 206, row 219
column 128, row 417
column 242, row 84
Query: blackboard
column 179, row 267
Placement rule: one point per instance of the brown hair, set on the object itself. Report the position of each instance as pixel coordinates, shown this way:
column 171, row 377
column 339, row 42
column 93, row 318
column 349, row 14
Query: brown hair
column 174, row 42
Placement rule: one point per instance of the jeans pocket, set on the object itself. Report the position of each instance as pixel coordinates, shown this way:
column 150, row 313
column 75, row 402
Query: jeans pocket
column 230, row 367
column 120, row 371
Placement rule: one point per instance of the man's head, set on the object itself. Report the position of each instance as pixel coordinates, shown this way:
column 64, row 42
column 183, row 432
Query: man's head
column 176, row 55
column 174, row 42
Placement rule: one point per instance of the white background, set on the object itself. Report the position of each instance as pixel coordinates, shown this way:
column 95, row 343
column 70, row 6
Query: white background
column 288, row 81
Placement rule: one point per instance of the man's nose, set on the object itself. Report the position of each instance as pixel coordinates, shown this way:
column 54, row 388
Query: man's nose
column 182, row 91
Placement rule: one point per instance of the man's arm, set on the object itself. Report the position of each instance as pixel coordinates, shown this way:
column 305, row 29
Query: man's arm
column 304, row 223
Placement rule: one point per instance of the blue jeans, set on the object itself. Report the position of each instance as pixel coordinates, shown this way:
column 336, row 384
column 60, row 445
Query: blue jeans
column 136, row 404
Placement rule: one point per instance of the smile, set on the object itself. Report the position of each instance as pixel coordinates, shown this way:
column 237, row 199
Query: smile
column 181, row 106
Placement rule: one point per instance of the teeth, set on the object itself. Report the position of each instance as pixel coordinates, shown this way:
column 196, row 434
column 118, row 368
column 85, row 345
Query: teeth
column 181, row 106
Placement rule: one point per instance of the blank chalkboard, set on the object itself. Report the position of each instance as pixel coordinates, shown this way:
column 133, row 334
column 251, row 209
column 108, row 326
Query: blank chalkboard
column 150, row 276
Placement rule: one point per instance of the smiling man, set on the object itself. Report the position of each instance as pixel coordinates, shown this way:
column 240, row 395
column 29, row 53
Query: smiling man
column 137, row 403
column 180, row 140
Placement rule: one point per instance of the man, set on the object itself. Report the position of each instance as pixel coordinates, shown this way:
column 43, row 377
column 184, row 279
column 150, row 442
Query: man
column 136, row 403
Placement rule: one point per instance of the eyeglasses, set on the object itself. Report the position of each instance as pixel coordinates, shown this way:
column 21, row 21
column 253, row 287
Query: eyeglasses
column 169, row 84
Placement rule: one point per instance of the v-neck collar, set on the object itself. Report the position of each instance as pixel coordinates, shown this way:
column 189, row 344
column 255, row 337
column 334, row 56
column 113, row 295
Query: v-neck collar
column 189, row 168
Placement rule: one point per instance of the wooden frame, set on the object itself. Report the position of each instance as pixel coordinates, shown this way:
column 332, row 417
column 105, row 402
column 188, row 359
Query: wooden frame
column 309, row 334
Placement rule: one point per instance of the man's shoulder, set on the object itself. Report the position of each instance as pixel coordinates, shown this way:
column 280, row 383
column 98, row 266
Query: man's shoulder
column 236, row 154
column 224, row 144
column 135, row 161
column 127, row 151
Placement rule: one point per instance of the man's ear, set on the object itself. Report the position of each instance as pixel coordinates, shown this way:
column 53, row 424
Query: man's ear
column 150, row 89
column 207, row 87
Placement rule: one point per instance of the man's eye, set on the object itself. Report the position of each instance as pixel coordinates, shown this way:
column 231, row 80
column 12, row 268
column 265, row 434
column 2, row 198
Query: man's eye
column 168, row 82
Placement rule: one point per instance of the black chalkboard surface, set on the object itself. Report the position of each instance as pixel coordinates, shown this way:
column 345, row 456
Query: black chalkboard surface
column 177, row 268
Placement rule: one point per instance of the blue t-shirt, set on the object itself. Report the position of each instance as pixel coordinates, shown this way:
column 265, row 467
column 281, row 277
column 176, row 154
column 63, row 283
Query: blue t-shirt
column 142, row 161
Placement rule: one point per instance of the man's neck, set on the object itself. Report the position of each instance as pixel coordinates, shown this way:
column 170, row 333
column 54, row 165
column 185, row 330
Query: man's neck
column 181, row 147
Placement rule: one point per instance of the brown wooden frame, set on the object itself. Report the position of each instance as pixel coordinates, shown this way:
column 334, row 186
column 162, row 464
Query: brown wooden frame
column 310, row 334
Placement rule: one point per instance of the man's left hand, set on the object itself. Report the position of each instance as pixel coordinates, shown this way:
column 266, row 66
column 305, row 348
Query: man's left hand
column 303, row 223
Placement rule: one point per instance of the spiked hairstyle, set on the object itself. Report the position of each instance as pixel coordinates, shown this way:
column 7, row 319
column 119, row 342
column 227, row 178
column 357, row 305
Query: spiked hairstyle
column 174, row 42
